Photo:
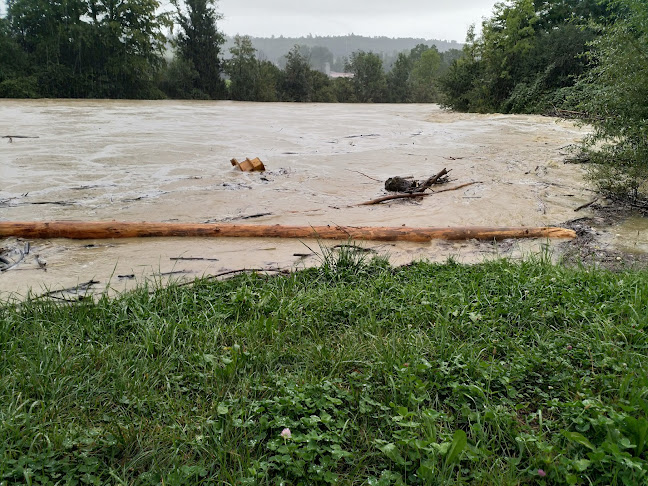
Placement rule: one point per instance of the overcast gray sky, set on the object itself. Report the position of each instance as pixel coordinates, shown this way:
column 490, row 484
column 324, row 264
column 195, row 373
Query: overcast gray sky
column 430, row 19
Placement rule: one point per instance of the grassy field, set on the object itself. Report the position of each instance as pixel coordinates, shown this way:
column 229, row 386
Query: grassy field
column 352, row 373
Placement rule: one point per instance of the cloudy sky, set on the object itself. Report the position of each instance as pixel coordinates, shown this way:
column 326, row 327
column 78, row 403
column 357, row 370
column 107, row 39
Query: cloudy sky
column 430, row 19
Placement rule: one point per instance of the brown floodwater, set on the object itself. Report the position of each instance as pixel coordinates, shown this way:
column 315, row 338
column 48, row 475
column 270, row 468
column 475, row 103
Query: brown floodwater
column 169, row 161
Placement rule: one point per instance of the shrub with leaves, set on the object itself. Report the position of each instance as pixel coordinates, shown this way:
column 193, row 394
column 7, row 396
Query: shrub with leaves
column 614, row 94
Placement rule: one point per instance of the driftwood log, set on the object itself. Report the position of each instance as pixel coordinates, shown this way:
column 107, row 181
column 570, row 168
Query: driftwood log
column 117, row 229
column 586, row 205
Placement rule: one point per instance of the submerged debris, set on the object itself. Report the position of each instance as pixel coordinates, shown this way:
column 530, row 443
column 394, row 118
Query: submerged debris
column 400, row 184
column 11, row 137
column 409, row 185
column 81, row 291
column 10, row 257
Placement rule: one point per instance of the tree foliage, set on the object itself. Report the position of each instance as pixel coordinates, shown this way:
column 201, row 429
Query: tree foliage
column 424, row 74
column 84, row 48
column 243, row 70
column 614, row 94
column 270, row 80
column 179, row 79
column 250, row 78
column 317, row 56
column 398, row 88
column 297, row 85
column 369, row 83
column 586, row 55
column 13, row 67
column 199, row 44
column 528, row 53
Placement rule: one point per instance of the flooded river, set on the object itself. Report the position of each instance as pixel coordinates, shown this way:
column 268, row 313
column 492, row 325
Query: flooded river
column 170, row 161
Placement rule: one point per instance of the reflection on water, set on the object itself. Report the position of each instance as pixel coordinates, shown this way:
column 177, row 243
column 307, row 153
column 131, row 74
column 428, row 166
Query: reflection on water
column 169, row 161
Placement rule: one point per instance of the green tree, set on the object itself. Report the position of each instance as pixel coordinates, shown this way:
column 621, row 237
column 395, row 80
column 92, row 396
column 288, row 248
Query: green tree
column 369, row 81
column 199, row 44
column 417, row 51
column 13, row 67
column 528, row 55
column 507, row 38
column 555, row 13
column 423, row 76
column 90, row 48
column 448, row 57
column 243, row 70
column 127, row 42
column 344, row 91
column 319, row 57
column 179, row 80
column 323, row 90
column 269, row 83
column 462, row 87
column 297, row 84
column 398, row 85
column 49, row 34
column 613, row 94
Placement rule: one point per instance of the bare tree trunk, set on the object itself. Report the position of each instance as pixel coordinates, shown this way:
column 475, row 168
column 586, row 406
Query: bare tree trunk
column 117, row 229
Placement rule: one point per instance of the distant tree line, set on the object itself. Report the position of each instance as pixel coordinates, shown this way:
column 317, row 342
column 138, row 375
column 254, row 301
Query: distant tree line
column 119, row 49
column 337, row 48
column 413, row 79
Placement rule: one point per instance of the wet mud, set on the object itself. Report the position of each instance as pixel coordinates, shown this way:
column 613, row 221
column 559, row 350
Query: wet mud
column 170, row 161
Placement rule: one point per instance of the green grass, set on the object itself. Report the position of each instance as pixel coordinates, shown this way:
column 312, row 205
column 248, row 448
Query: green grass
column 497, row 374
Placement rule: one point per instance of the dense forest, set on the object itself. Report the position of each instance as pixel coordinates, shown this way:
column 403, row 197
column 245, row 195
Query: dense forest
column 587, row 59
column 120, row 49
column 584, row 58
column 340, row 47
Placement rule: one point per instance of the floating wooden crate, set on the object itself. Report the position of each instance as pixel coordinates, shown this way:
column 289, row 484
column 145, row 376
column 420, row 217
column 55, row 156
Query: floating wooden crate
column 253, row 165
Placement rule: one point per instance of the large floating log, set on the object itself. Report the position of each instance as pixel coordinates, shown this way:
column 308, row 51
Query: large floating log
column 117, row 229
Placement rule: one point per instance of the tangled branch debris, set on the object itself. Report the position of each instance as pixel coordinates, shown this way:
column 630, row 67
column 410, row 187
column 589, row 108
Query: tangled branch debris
column 412, row 189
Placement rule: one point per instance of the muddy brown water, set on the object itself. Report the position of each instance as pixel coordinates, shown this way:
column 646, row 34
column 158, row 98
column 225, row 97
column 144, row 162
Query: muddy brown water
column 169, row 161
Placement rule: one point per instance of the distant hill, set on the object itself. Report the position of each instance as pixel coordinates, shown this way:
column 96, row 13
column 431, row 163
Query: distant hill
column 274, row 48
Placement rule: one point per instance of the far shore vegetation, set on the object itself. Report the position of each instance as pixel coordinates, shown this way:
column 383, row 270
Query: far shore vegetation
column 353, row 373
column 583, row 59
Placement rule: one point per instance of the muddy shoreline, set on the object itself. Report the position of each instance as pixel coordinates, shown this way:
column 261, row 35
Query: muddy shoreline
column 598, row 242
column 169, row 161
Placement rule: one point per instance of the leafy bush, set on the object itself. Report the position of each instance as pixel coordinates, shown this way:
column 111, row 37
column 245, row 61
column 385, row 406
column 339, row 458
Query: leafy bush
column 527, row 52
column 22, row 87
column 613, row 94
